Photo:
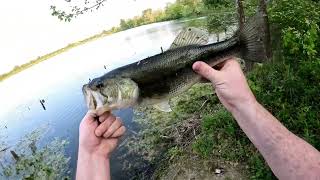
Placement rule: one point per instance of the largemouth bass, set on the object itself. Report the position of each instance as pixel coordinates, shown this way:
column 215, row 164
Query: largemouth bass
column 156, row 79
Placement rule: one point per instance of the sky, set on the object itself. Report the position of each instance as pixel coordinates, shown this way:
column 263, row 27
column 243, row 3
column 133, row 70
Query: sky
column 28, row 30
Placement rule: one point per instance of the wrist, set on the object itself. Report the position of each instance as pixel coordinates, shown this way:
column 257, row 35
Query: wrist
column 244, row 106
column 92, row 166
column 87, row 154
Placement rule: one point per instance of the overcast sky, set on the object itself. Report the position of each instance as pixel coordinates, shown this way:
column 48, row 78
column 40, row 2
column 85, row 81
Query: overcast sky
column 28, row 30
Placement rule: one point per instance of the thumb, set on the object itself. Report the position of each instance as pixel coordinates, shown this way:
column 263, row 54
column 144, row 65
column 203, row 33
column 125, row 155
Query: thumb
column 206, row 71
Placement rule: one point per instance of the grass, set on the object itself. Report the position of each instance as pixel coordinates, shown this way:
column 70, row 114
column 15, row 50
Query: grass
column 200, row 126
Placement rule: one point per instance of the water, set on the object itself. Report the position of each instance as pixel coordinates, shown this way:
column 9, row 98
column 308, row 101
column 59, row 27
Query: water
column 58, row 81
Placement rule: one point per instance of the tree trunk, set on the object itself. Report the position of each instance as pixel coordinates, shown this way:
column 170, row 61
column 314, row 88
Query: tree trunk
column 263, row 10
column 241, row 20
column 240, row 14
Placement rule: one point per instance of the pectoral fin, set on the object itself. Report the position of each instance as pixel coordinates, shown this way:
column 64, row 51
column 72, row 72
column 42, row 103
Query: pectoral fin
column 190, row 36
column 163, row 106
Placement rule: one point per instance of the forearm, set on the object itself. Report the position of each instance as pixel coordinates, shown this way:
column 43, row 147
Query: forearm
column 288, row 156
column 92, row 167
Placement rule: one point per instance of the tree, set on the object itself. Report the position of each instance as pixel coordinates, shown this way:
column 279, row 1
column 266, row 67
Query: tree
column 240, row 14
column 76, row 10
column 263, row 10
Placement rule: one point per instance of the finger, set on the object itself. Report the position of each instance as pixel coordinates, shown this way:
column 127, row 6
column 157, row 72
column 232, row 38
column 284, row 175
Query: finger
column 206, row 71
column 104, row 116
column 119, row 132
column 89, row 117
column 114, row 126
column 103, row 127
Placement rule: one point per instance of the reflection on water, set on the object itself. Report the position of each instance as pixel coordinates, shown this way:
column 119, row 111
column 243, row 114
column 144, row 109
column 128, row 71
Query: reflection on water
column 50, row 93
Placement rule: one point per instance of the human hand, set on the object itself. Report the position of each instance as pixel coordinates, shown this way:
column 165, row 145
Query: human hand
column 230, row 83
column 100, row 140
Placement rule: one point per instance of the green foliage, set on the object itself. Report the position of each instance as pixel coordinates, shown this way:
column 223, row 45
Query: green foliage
column 47, row 163
column 183, row 8
column 291, row 94
column 222, row 133
column 199, row 99
column 258, row 168
column 74, row 9
column 204, row 145
column 301, row 41
column 174, row 152
column 31, row 162
column 212, row 4
column 299, row 24
column 221, row 14
column 177, row 10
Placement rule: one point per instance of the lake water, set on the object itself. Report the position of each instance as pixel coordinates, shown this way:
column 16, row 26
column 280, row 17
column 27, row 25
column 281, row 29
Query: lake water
column 58, row 82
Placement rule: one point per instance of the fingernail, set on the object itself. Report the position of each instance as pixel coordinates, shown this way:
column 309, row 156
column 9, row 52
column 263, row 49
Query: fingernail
column 196, row 66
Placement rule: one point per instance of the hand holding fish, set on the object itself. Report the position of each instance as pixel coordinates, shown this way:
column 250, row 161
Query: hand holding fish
column 96, row 142
column 229, row 82
column 100, row 140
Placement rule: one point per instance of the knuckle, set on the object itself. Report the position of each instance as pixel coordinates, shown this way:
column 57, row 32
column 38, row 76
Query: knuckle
column 98, row 132
column 107, row 134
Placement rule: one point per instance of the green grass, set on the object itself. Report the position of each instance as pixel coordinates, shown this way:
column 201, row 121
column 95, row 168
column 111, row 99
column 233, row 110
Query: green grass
column 222, row 138
column 289, row 93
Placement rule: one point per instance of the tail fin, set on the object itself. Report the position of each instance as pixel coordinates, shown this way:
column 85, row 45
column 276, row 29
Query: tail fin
column 253, row 39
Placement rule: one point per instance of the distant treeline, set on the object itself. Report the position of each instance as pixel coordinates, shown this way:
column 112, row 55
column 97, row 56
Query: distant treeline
column 177, row 10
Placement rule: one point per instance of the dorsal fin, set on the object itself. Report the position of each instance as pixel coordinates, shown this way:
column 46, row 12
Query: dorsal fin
column 189, row 36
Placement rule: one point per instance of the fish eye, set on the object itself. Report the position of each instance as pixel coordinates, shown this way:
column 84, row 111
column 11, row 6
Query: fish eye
column 99, row 85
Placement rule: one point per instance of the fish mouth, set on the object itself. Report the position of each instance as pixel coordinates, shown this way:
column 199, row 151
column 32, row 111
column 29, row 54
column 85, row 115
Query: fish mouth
column 89, row 99
column 94, row 100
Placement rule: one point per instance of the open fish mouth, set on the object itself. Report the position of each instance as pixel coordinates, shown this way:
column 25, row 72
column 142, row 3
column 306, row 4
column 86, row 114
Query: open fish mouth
column 94, row 100
column 89, row 99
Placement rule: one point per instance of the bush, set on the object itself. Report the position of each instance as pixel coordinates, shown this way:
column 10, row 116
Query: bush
column 292, row 95
column 299, row 24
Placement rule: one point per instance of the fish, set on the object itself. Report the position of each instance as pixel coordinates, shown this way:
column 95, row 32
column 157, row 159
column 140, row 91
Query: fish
column 153, row 81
